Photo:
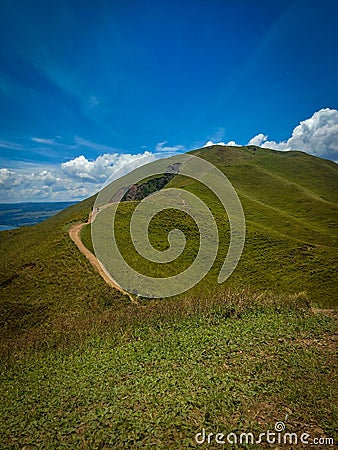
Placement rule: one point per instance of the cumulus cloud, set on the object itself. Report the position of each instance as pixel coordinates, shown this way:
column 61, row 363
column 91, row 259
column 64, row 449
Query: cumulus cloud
column 230, row 143
column 80, row 168
column 47, row 177
column 317, row 135
column 210, row 143
column 6, row 177
column 73, row 180
column 81, row 177
column 233, row 144
column 25, row 184
column 102, row 167
column 258, row 140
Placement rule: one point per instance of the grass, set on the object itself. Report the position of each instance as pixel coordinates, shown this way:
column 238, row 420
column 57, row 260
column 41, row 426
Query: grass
column 47, row 285
column 169, row 374
column 290, row 202
column 86, row 237
column 290, row 205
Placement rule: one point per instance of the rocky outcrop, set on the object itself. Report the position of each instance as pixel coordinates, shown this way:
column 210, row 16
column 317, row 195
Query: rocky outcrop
column 140, row 191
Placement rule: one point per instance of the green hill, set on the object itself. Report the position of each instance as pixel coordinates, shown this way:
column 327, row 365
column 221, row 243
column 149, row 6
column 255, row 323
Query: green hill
column 290, row 205
column 290, row 201
column 83, row 367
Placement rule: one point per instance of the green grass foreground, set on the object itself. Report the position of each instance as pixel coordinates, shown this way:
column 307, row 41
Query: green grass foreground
column 160, row 375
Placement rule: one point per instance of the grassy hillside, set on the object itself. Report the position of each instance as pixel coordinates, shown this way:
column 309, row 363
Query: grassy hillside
column 83, row 367
column 290, row 203
column 47, row 285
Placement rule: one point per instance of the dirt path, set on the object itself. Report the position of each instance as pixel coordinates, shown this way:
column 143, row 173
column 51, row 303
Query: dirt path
column 74, row 234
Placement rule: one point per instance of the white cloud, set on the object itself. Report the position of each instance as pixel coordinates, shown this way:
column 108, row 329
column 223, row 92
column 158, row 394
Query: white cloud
column 210, row 143
column 80, row 177
column 258, row 140
column 79, row 167
column 43, row 141
column 75, row 179
column 6, row 178
column 230, row 143
column 233, row 144
column 47, row 177
column 11, row 145
column 317, row 135
column 21, row 185
column 100, row 168
column 161, row 147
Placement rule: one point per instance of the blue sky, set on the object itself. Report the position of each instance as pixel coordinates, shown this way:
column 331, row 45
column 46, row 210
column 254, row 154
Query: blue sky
column 82, row 79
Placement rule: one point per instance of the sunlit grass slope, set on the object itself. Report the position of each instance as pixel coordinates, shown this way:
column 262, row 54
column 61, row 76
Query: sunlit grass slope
column 290, row 201
column 158, row 376
column 291, row 210
column 46, row 283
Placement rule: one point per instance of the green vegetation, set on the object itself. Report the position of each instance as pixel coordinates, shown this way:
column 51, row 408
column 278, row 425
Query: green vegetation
column 86, row 237
column 290, row 203
column 160, row 375
column 47, row 285
column 82, row 367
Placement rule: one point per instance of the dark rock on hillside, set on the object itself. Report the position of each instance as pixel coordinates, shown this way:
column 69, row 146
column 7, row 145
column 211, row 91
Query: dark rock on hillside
column 140, row 191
